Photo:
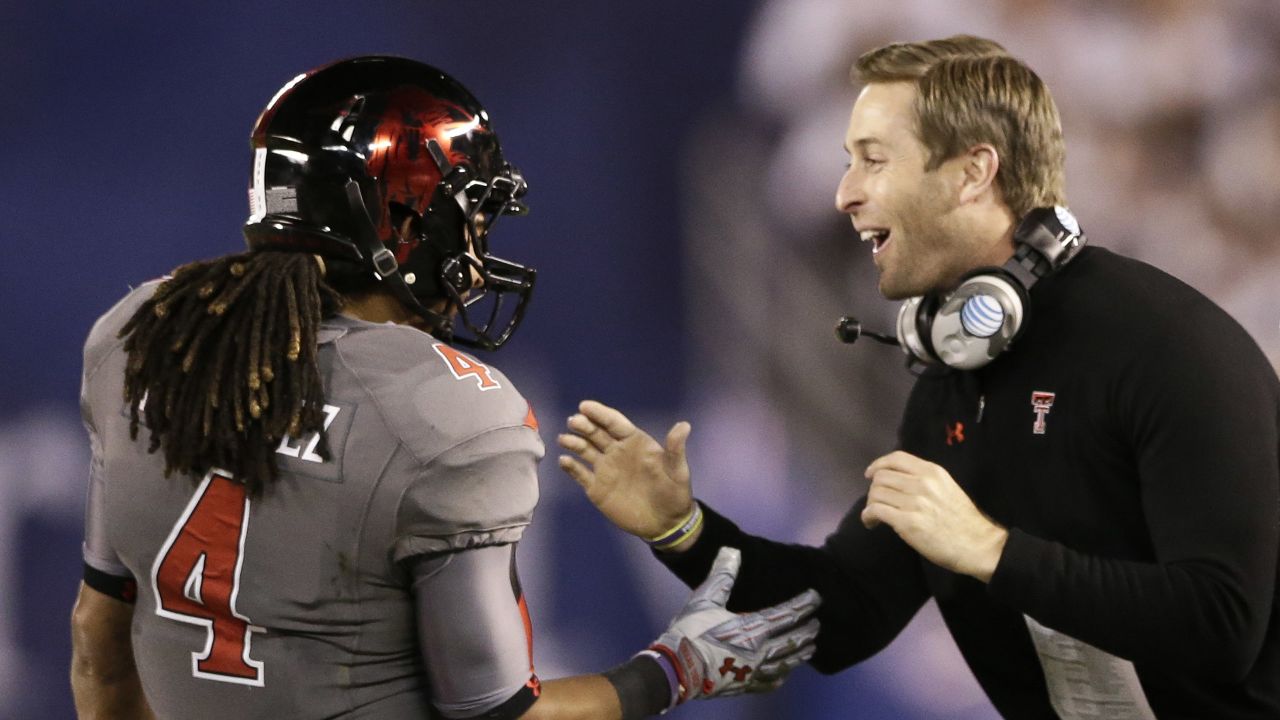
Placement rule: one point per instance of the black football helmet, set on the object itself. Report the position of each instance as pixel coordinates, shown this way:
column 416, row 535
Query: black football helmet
column 349, row 154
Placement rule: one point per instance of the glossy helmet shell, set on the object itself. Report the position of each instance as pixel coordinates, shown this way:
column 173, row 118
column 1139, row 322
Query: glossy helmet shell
column 347, row 154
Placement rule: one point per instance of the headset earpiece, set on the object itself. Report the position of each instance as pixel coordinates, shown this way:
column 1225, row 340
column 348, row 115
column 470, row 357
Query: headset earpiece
column 981, row 318
column 915, row 324
column 978, row 321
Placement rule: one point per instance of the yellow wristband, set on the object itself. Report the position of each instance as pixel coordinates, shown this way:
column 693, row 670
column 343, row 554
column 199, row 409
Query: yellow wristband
column 679, row 534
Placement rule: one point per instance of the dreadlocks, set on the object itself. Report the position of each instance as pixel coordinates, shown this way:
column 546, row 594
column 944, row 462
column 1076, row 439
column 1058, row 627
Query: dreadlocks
column 222, row 362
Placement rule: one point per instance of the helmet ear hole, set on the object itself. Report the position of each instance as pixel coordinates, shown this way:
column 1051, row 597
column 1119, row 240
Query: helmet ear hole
column 405, row 221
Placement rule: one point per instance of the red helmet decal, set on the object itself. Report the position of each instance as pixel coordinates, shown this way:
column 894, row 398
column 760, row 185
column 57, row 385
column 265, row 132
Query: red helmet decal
column 399, row 160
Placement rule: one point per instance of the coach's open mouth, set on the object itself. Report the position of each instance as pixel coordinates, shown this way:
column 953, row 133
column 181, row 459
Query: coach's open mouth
column 878, row 237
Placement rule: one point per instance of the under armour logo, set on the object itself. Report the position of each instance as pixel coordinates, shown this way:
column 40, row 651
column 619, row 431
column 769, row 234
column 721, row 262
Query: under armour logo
column 1041, row 402
column 955, row 433
column 739, row 673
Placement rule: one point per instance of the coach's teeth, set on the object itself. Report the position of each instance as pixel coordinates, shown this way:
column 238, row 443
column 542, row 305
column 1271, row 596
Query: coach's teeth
column 873, row 235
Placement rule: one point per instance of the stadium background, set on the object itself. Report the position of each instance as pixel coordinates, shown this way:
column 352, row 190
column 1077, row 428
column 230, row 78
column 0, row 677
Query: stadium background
column 682, row 159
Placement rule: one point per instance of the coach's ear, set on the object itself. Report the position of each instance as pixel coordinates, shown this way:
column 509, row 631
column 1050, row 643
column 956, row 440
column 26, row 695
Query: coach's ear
column 977, row 168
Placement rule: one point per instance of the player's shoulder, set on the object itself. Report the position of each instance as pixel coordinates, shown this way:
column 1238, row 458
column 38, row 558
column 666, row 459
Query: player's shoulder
column 431, row 394
column 105, row 333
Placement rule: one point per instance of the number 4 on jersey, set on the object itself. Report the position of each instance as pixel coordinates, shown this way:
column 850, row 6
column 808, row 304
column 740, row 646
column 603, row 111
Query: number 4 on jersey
column 196, row 578
column 463, row 366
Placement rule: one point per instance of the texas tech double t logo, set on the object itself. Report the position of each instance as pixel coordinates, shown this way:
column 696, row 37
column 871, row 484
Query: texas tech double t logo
column 1041, row 403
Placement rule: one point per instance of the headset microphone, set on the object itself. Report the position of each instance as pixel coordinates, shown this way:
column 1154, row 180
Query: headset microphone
column 848, row 330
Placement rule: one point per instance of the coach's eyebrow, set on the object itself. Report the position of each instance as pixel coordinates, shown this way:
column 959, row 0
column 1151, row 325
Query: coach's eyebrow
column 863, row 143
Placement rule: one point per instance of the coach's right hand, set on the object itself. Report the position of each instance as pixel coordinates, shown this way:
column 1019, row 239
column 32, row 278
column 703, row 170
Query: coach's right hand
column 640, row 485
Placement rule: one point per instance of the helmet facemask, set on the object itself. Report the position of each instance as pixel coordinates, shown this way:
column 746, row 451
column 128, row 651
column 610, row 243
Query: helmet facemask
column 482, row 317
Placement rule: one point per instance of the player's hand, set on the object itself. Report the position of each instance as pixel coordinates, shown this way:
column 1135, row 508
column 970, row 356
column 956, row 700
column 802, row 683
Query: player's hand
column 641, row 486
column 929, row 511
column 718, row 653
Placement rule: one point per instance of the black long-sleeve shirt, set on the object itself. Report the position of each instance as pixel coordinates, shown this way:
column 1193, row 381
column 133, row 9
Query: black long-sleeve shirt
column 1130, row 441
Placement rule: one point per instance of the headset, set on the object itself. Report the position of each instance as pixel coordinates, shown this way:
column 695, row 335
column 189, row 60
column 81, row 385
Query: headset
column 971, row 325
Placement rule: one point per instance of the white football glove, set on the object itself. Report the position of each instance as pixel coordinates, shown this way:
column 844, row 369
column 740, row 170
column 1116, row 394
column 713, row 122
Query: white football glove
column 717, row 652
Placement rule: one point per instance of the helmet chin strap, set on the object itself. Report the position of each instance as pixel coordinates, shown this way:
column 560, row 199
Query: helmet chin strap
column 386, row 269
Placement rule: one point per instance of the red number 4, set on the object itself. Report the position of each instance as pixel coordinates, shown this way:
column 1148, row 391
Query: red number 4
column 463, row 367
column 196, row 578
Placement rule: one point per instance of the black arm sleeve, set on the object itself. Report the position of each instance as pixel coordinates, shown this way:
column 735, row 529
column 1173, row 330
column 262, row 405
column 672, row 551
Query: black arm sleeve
column 1201, row 418
column 870, row 581
column 122, row 588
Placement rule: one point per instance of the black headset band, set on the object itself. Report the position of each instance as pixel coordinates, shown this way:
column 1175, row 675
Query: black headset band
column 1027, row 266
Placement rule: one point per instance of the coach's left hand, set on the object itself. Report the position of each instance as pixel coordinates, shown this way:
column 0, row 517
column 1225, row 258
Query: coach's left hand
column 929, row 511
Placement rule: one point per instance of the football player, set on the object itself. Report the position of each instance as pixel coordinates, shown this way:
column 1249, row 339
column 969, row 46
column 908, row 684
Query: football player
column 305, row 499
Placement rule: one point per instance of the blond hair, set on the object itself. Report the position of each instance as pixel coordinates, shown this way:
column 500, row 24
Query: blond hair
column 971, row 91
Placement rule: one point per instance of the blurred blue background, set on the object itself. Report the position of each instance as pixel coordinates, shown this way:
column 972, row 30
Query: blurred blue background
column 682, row 158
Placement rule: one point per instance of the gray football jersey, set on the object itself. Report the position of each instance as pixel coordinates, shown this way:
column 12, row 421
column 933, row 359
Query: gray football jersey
column 296, row 603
